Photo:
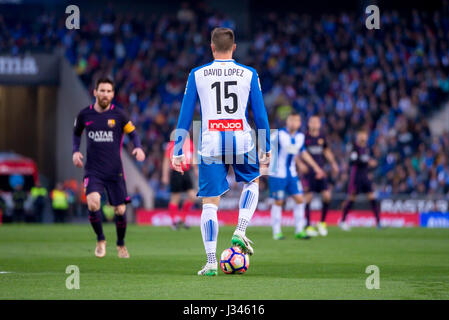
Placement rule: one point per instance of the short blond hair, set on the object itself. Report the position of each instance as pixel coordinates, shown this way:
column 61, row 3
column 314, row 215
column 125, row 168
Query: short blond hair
column 222, row 39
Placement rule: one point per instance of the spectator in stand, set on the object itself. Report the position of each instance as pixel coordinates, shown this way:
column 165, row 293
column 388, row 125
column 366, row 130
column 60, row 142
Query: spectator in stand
column 39, row 196
column 19, row 197
column 60, row 203
column 389, row 81
column 137, row 199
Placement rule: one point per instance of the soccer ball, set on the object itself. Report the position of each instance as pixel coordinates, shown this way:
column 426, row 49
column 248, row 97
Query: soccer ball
column 233, row 260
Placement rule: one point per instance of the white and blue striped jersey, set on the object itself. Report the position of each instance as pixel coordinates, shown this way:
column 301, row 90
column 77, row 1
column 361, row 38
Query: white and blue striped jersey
column 224, row 89
column 282, row 164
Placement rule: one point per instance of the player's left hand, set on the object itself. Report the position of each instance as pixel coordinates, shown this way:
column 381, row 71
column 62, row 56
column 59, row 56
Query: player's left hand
column 139, row 154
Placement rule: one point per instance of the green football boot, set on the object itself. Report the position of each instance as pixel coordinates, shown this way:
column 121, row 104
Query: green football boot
column 279, row 236
column 243, row 242
column 302, row 235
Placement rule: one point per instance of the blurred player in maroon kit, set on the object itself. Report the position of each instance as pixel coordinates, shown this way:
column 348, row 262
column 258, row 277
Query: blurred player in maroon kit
column 105, row 125
column 359, row 182
column 320, row 151
column 179, row 183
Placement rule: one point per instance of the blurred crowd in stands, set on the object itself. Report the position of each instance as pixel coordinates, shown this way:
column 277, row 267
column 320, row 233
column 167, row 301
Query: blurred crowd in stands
column 388, row 80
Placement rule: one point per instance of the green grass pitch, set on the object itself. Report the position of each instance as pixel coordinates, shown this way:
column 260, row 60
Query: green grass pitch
column 413, row 263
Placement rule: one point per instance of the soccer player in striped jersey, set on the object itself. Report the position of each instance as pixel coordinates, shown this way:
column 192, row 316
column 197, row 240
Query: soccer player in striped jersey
column 105, row 125
column 283, row 180
column 224, row 89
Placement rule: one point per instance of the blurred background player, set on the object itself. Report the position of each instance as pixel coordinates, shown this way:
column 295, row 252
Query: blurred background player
column 179, row 183
column 224, row 88
column 105, row 126
column 283, row 180
column 316, row 145
column 359, row 182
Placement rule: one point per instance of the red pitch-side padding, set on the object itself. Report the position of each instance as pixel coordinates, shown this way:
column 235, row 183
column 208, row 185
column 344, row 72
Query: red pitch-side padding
column 356, row 218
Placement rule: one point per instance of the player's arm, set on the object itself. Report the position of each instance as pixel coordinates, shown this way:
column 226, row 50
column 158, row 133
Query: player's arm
column 260, row 117
column 165, row 170
column 166, row 165
column 77, row 156
column 185, row 119
column 329, row 155
column 301, row 165
column 308, row 158
column 130, row 130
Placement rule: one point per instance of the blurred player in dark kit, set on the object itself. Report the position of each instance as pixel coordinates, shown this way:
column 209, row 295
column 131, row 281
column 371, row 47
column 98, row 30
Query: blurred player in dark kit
column 105, row 125
column 316, row 145
column 359, row 182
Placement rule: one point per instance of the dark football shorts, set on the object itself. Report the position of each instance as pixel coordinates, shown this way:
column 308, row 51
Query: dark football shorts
column 180, row 182
column 360, row 184
column 312, row 184
column 115, row 189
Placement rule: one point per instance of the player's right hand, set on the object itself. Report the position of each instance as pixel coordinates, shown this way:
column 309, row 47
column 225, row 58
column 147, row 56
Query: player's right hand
column 78, row 159
column 265, row 159
column 179, row 163
column 320, row 174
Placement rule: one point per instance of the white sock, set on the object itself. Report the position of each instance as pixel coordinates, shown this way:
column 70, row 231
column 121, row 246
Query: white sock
column 298, row 213
column 209, row 231
column 276, row 218
column 247, row 206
